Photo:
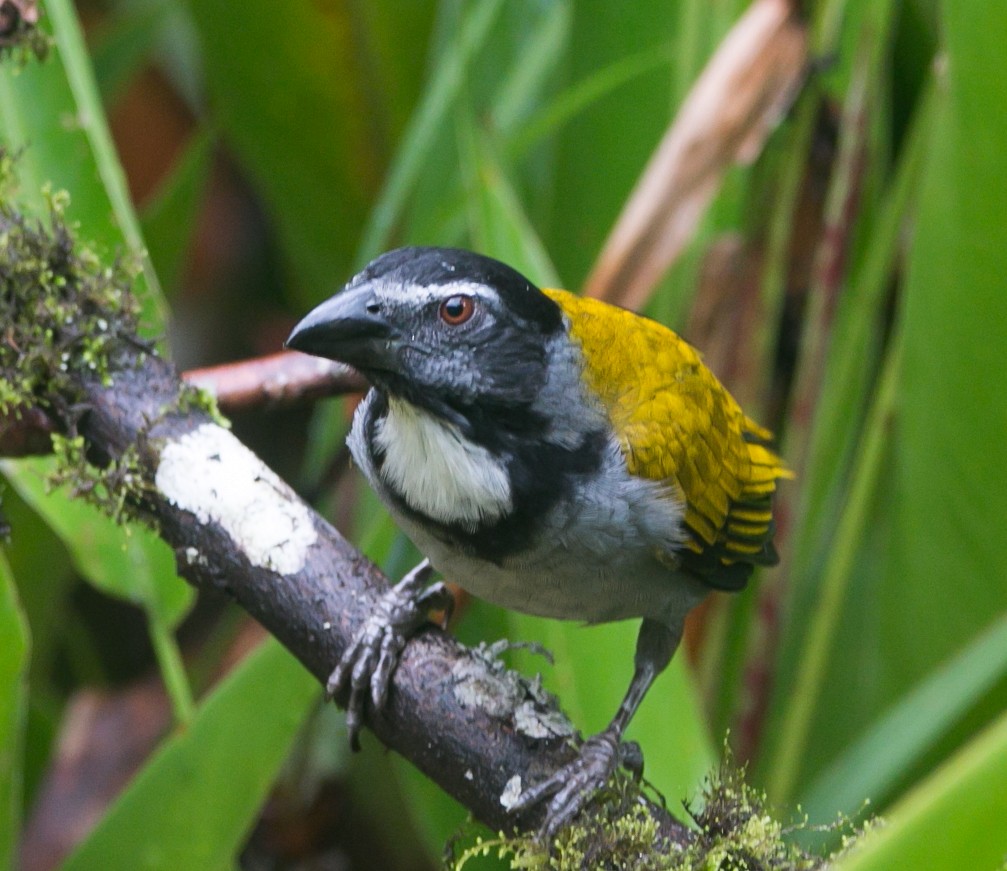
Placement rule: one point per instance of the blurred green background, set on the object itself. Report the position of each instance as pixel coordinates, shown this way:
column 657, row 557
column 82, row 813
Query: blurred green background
column 848, row 284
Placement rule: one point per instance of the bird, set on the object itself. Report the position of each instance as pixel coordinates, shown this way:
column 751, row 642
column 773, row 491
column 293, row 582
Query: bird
column 549, row 453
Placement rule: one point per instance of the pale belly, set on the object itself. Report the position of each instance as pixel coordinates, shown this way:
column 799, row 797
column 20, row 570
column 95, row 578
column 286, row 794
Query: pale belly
column 565, row 582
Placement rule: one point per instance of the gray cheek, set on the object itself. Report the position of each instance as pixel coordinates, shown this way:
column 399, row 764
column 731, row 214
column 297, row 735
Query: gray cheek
column 465, row 373
column 449, row 370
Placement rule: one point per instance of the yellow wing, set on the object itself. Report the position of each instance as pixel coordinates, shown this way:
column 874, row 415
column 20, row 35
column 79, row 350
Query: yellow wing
column 677, row 422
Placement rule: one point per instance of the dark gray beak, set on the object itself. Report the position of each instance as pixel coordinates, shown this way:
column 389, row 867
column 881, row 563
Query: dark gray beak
column 349, row 327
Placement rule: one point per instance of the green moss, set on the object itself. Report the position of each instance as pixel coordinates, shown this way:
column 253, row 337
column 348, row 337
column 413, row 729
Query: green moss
column 64, row 312
column 615, row 831
column 192, row 398
column 734, row 831
column 20, row 36
column 115, row 488
column 68, row 319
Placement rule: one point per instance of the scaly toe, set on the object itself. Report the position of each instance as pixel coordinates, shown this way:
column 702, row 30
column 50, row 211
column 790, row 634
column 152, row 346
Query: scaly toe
column 572, row 786
column 366, row 667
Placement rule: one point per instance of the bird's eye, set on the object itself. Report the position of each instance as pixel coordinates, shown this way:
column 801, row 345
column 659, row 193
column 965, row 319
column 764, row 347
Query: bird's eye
column 457, row 309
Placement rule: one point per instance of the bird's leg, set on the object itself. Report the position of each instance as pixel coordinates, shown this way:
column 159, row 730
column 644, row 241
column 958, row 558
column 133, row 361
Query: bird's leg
column 570, row 788
column 371, row 658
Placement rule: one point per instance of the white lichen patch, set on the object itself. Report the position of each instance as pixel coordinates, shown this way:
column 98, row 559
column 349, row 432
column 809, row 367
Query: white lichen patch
column 511, row 793
column 213, row 475
column 194, row 558
column 536, row 722
column 483, row 682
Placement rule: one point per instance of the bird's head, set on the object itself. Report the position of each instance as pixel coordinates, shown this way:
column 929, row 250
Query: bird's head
column 448, row 330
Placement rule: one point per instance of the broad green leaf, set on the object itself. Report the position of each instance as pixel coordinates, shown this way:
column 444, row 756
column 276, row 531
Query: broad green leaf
column 14, row 655
column 131, row 563
column 928, row 571
column 428, row 811
column 872, row 766
column 952, row 821
column 194, row 803
column 581, row 94
column 601, row 152
column 949, row 565
column 539, row 51
column 498, row 225
column 313, row 98
column 52, row 111
column 424, row 167
column 942, row 569
column 35, row 551
column 841, row 454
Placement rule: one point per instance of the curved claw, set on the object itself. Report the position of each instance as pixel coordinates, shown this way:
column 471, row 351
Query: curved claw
column 572, row 786
column 367, row 665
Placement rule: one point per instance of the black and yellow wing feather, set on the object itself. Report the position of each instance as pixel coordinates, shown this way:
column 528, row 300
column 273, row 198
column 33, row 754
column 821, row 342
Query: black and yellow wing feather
column 676, row 422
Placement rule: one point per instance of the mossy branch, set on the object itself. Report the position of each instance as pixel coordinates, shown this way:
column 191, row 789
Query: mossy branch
column 137, row 441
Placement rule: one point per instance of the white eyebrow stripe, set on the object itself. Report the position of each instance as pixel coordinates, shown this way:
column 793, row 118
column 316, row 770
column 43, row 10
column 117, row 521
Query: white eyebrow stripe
column 421, row 294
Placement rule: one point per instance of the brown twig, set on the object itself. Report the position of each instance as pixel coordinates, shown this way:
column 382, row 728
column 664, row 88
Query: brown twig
column 275, row 381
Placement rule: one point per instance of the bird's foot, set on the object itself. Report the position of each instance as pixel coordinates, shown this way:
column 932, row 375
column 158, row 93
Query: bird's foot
column 370, row 660
column 570, row 788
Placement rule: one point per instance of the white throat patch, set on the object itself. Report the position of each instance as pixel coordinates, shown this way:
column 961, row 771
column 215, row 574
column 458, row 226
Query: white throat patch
column 439, row 472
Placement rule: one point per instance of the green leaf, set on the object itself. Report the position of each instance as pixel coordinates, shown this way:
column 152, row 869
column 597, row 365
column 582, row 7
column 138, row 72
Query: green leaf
column 426, row 809
column 949, row 523
column 313, row 97
column 871, row 767
column 418, row 152
column 930, row 584
column 581, row 94
column 131, row 563
column 498, row 225
column 194, row 803
column 35, row 551
column 14, row 656
column 925, row 573
column 952, row 821
column 53, row 112
column 601, row 152
column 538, row 53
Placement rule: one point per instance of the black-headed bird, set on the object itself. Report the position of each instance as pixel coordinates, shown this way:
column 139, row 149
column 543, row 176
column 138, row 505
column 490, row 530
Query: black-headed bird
column 551, row 454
